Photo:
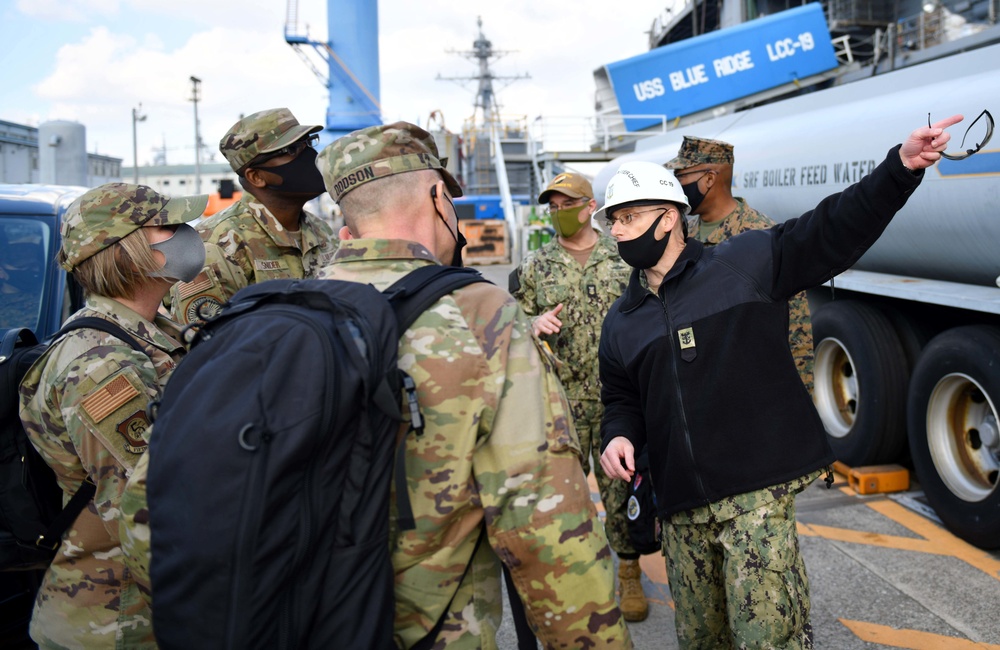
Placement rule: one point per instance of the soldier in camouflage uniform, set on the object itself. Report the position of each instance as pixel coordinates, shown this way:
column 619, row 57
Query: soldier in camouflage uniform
column 703, row 163
column 567, row 286
column 265, row 235
column 84, row 402
column 496, row 476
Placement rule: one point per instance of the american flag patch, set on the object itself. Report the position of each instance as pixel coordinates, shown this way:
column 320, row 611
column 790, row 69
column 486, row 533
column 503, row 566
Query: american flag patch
column 108, row 399
column 198, row 285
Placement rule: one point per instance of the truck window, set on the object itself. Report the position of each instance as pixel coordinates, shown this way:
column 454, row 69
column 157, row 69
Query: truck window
column 23, row 268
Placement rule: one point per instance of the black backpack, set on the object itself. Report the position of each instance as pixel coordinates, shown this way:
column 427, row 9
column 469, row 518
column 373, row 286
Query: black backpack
column 32, row 517
column 643, row 527
column 270, row 465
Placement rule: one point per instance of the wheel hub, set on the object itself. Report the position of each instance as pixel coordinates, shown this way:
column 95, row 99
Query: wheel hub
column 963, row 437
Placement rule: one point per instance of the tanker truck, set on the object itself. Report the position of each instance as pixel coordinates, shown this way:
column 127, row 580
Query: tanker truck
column 907, row 342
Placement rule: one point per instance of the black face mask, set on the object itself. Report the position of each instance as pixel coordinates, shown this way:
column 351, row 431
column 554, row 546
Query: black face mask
column 299, row 176
column 456, row 257
column 644, row 251
column 694, row 195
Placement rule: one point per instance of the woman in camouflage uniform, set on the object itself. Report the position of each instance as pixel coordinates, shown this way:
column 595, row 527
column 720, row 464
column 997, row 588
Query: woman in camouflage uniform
column 84, row 402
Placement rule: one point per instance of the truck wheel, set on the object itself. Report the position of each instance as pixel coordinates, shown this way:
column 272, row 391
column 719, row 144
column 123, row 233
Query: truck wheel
column 860, row 382
column 954, row 433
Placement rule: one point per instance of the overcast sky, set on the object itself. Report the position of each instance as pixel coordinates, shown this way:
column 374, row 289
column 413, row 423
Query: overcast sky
column 92, row 61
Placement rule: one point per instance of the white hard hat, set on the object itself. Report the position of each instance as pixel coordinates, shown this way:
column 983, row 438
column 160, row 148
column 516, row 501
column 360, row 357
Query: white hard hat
column 642, row 181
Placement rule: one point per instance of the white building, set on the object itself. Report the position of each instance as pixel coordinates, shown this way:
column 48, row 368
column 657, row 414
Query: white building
column 179, row 180
column 19, row 158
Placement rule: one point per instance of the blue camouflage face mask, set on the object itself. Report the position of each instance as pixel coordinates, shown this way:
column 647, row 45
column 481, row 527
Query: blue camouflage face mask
column 184, row 252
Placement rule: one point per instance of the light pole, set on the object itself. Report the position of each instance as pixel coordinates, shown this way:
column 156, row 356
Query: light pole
column 137, row 116
column 197, row 136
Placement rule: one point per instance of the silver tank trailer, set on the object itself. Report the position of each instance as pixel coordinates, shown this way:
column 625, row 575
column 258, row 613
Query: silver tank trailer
column 907, row 347
column 791, row 154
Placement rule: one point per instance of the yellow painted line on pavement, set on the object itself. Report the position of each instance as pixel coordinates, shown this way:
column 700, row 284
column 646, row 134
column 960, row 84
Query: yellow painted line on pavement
column 936, row 540
column 910, row 639
column 871, row 539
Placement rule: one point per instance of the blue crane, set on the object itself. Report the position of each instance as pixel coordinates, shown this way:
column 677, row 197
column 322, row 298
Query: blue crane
column 350, row 55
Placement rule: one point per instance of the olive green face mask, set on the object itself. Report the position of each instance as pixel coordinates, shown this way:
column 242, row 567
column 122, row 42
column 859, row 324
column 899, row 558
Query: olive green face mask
column 567, row 221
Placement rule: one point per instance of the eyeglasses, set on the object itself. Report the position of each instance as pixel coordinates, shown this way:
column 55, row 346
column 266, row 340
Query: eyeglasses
column 552, row 208
column 969, row 152
column 628, row 217
column 292, row 150
column 678, row 175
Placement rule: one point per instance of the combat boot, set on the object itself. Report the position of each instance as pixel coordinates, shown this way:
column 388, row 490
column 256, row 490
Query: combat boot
column 633, row 602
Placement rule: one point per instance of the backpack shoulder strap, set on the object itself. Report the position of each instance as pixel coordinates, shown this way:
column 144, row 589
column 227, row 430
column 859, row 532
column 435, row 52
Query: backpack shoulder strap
column 10, row 339
column 410, row 296
column 102, row 324
column 416, row 291
column 52, row 536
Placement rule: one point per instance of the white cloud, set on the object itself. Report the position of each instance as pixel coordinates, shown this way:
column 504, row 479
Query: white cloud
column 71, row 10
column 237, row 49
column 100, row 79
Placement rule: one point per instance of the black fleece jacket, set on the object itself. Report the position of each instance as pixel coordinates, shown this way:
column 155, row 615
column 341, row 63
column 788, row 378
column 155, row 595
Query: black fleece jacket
column 702, row 374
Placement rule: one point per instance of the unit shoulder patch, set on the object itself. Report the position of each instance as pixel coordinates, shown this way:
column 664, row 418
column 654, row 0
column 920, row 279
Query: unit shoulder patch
column 133, row 430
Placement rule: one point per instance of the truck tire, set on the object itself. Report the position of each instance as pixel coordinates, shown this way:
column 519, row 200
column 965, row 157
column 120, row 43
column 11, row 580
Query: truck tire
column 860, row 382
column 954, row 433
column 914, row 334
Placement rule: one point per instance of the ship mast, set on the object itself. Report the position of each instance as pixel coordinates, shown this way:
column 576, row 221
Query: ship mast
column 486, row 107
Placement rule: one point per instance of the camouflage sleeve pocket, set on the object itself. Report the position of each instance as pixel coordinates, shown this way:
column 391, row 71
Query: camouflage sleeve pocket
column 114, row 414
column 562, row 433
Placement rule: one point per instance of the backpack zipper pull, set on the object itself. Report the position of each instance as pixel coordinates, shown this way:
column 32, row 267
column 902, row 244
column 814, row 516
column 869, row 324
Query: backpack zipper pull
column 416, row 420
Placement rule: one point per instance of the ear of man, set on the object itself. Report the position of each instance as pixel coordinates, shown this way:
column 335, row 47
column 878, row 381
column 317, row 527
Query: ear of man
column 255, row 177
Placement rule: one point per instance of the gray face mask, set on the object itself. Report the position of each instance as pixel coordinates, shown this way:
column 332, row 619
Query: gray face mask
column 184, row 252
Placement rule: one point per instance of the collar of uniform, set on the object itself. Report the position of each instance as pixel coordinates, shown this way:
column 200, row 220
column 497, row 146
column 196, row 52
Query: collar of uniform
column 312, row 232
column 733, row 218
column 605, row 247
column 131, row 322
column 636, row 292
column 355, row 250
column 270, row 224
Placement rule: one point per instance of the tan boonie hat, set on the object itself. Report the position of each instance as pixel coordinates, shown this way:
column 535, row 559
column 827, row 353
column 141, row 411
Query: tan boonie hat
column 701, row 151
column 574, row 186
column 379, row 151
column 262, row 132
column 108, row 213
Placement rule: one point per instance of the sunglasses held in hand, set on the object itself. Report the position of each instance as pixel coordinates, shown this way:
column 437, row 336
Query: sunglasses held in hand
column 969, row 152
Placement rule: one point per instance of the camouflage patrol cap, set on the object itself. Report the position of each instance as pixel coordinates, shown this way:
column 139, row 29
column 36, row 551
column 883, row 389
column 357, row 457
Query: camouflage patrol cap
column 572, row 185
column 262, row 132
column 378, row 151
column 108, row 213
column 701, row 151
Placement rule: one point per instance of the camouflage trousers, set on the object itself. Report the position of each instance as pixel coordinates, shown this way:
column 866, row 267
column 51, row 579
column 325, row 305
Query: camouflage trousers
column 740, row 583
column 587, row 419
